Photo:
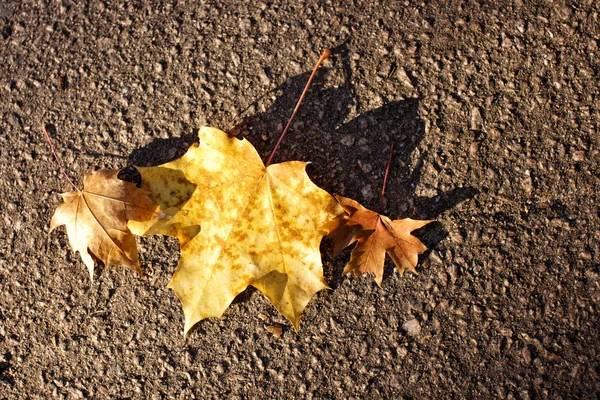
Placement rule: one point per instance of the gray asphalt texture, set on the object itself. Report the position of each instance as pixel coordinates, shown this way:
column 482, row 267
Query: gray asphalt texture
column 493, row 109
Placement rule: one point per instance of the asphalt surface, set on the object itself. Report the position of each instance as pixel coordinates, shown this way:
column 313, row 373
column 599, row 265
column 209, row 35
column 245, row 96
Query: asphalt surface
column 493, row 110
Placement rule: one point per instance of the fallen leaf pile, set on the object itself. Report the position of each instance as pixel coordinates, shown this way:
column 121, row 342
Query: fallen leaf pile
column 238, row 222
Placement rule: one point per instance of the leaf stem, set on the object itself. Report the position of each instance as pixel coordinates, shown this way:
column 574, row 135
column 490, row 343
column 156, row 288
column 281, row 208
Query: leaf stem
column 387, row 170
column 323, row 57
column 49, row 139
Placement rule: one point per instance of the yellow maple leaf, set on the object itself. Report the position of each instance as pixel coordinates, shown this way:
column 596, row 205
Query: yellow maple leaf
column 259, row 226
column 96, row 219
column 375, row 235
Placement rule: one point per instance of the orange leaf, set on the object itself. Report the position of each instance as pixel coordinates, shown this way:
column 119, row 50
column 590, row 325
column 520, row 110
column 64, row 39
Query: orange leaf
column 375, row 235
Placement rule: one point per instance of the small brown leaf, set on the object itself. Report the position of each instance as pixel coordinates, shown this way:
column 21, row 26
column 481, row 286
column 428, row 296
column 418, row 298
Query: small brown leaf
column 276, row 330
column 375, row 235
column 96, row 219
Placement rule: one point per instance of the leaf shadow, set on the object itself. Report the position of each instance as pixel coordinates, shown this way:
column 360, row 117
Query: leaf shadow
column 349, row 155
column 161, row 151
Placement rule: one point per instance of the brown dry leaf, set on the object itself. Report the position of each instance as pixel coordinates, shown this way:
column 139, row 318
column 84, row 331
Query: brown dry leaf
column 96, row 219
column 276, row 330
column 375, row 235
column 259, row 226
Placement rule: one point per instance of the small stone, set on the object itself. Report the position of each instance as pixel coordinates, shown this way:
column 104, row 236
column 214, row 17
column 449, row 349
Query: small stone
column 347, row 140
column 402, row 352
column 76, row 393
column 476, row 119
column 365, row 167
column 235, row 59
column 579, row 155
column 367, row 192
column 443, row 277
column 414, row 378
column 574, row 371
column 524, row 395
column 416, row 305
column 453, row 271
column 172, row 153
column 527, row 183
column 473, row 149
column 403, row 77
column 434, row 256
column 263, row 317
column 412, row 327
column 500, row 392
column 428, row 192
column 219, row 369
column 245, row 24
column 264, row 79
column 526, row 355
